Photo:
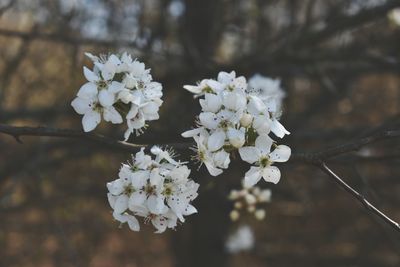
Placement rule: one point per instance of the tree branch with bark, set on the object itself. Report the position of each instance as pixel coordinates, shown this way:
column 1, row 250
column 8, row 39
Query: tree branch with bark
column 313, row 158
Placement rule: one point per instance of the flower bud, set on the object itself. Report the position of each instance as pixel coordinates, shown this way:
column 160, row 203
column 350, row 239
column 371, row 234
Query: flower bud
column 246, row 120
column 234, row 215
column 259, row 214
column 265, row 196
column 236, row 137
column 251, row 208
column 250, row 199
column 130, row 82
column 238, row 205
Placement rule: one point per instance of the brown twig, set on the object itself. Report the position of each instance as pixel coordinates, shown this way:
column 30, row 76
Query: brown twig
column 316, row 159
column 60, row 38
column 356, row 145
column 17, row 132
column 370, row 207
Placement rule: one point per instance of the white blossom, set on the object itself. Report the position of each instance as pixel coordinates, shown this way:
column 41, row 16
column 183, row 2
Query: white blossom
column 250, row 200
column 263, row 158
column 158, row 189
column 234, row 115
column 118, row 88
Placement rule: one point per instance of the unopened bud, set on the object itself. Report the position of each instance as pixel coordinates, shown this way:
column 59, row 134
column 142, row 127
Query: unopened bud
column 246, row 120
column 259, row 214
column 238, row 205
column 251, row 209
column 251, row 199
column 234, row 215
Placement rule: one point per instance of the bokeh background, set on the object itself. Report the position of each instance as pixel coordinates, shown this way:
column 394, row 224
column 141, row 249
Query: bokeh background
column 339, row 62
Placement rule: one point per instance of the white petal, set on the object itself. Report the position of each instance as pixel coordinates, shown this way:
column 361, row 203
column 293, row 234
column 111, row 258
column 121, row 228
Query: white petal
column 115, row 187
column 280, row 154
column 193, row 89
column 225, row 77
column 90, row 120
column 114, row 60
column 178, row 205
column 132, row 112
column 193, row 132
column 271, row 174
column 156, row 204
column 155, row 177
column 127, row 133
column 256, row 106
column 211, row 103
column 90, row 75
column 112, row 115
column 215, row 86
column 262, row 124
column 234, row 101
column 189, row 210
column 88, row 91
column 236, row 137
column 212, row 169
column 139, row 179
column 264, row 143
column 81, row 105
column 137, row 122
column 115, row 87
column 108, row 70
column 126, row 96
column 221, row 159
column 121, row 204
column 160, row 223
column 91, row 56
column 136, row 199
column 111, row 200
column 150, row 108
column 249, row 154
column 209, row 120
column 278, row 129
column 252, row 176
column 216, row 141
column 133, row 223
column 106, row 98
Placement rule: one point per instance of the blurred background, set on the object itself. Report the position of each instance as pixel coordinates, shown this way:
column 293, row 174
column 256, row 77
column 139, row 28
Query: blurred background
column 339, row 62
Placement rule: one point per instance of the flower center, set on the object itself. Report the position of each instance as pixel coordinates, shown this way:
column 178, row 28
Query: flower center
column 150, row 189
column 128, row 190
column 264, row 162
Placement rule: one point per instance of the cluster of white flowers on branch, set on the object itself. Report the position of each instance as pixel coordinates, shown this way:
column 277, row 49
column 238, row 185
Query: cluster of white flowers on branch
column 249, row 199
column 118, row 87
column 239, row 116
column 158, row 189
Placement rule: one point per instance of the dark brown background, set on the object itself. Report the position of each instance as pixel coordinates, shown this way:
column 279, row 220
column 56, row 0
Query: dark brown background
column 339, row 62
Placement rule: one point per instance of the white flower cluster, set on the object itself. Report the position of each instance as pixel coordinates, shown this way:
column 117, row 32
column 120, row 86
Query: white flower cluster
column 240, row 240
column 118, row 87
column 159, row 190
column 239, row 116
column 249, row 199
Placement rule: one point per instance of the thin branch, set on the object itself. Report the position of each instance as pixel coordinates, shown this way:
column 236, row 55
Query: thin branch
column 347, row 22
column 60, row 38
column 316, row 159
column 18, row 131
column 312, row 158
column 370, row 207
column 356, row 145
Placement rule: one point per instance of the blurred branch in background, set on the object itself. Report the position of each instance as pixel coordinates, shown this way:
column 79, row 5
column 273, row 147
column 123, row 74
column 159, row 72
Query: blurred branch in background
column 311, row 158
